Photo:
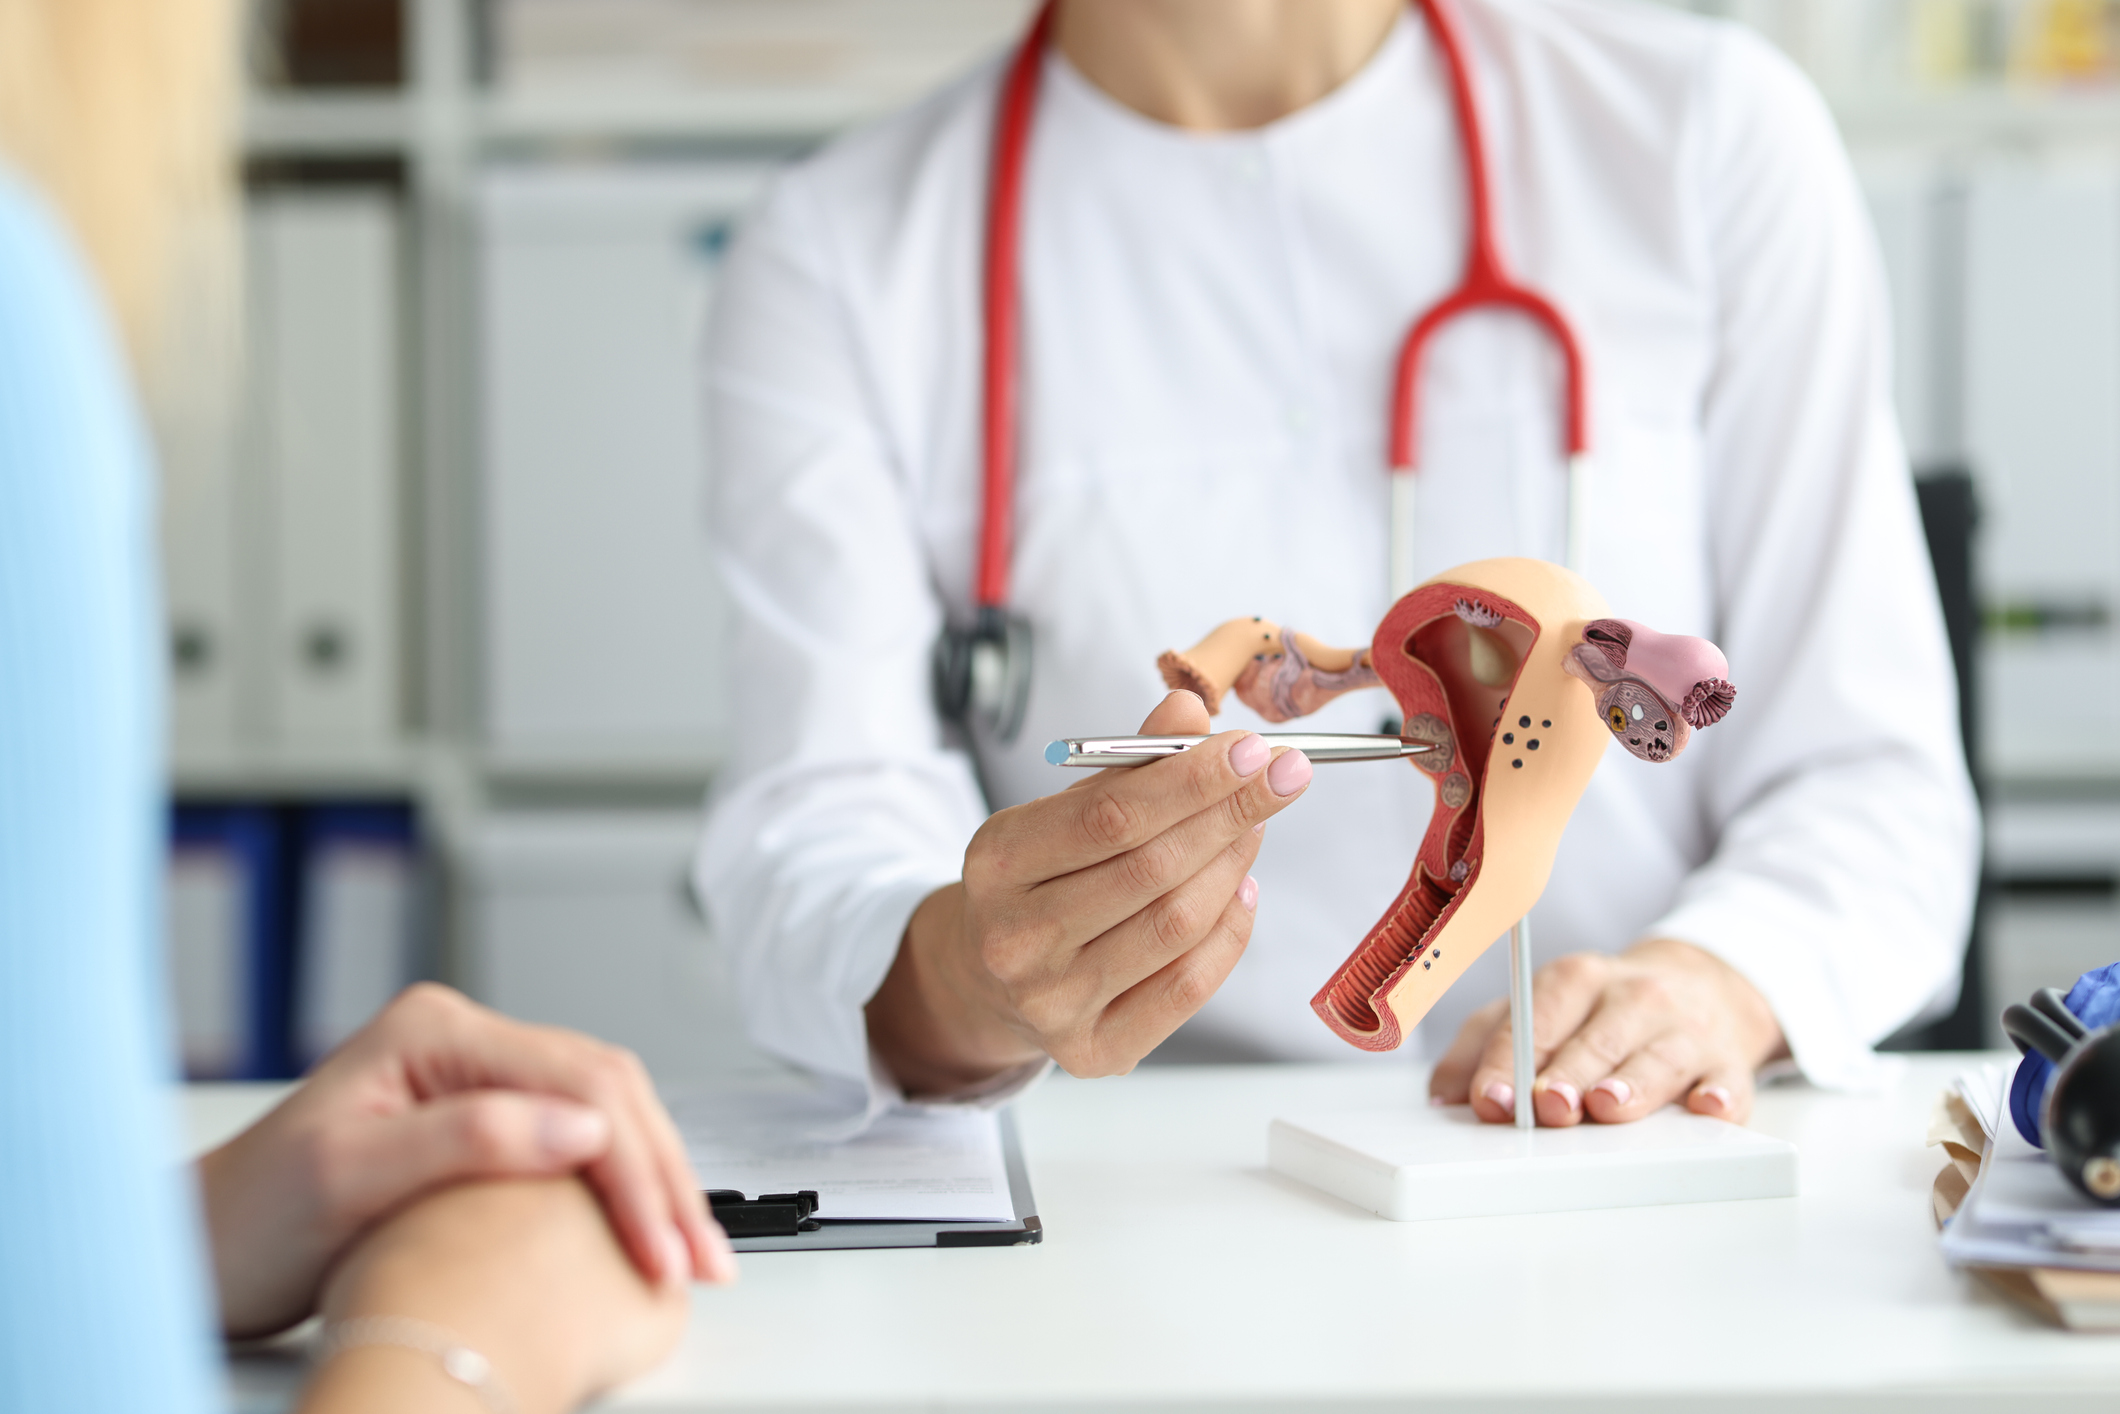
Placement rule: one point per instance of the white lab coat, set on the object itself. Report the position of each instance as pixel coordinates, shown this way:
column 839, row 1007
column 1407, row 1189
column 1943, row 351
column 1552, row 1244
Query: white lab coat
column 1209, row 326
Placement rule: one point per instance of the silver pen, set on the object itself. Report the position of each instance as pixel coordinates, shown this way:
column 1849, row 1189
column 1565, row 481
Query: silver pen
column 1320, row 747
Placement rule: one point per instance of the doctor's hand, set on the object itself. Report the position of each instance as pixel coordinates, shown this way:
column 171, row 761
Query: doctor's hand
column 1614, row 1038
column 1091, row 923
column 434, row 1092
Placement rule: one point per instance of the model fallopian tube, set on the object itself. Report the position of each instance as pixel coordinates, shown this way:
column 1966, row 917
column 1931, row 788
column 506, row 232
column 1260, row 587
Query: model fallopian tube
column 1277, row 672
column 1515, row 670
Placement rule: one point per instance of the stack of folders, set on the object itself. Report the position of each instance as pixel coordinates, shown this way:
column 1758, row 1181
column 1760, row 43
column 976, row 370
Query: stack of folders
column 2009, row 1216
column 288, row 927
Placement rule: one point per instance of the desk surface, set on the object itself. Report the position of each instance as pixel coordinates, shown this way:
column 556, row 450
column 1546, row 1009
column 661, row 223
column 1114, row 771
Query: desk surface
column 1179, row 1273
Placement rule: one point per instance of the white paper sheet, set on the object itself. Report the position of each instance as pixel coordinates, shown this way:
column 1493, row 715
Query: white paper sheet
column 1987, row 1093
column 935, row 1165
column 2022, row 1213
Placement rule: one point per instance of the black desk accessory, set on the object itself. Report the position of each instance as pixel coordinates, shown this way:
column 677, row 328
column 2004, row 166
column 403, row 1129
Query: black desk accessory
column 767, row 1215
column 2079, row 1116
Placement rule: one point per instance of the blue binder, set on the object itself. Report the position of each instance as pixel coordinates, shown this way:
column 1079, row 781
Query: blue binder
column 252, row 967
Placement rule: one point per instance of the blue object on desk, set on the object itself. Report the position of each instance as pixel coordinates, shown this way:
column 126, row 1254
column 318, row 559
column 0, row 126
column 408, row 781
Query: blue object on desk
column 255, row 965
column 357, row 909
column 2095, row 1000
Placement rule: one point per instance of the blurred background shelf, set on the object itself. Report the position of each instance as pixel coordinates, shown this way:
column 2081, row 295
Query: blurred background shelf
column 280, row 125
column 452, row 558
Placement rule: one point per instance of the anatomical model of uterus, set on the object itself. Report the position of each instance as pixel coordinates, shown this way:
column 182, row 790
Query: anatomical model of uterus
column 1514, row 672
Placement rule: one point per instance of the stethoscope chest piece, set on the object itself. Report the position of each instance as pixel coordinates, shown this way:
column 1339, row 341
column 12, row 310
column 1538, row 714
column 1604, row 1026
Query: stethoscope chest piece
column 2079, row 1116
column 983, row 673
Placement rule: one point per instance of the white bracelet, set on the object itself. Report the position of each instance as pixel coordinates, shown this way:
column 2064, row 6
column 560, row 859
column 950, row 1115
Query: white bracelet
column 458, row 1360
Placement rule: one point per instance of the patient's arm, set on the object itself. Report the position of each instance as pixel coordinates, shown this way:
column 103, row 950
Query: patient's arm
column 525, row 1272
column 1279, row 673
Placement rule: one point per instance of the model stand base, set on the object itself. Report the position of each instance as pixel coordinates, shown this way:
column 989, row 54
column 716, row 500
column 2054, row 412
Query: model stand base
column 1413, row 1164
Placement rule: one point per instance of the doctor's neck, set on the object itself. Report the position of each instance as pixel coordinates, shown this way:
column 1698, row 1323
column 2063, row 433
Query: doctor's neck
column 1215, row 65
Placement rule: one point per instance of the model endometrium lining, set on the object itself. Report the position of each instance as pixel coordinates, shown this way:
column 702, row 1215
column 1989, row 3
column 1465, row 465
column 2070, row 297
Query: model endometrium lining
column 1514, row 672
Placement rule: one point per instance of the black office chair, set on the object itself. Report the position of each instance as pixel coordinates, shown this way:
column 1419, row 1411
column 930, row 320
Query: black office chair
column 1950, row 514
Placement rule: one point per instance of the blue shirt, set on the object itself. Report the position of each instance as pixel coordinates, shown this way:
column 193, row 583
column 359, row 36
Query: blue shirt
column 104, row 1302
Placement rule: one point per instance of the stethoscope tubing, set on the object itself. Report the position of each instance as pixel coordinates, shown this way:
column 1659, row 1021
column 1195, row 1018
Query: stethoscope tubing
column 1486, row 284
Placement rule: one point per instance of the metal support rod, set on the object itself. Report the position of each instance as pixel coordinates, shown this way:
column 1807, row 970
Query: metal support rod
column 1520, row 1018
column 1578, row 512
column 1401, row 540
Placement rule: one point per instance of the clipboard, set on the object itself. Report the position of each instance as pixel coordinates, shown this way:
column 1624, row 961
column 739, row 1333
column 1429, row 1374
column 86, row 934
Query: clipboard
column 785, row 1223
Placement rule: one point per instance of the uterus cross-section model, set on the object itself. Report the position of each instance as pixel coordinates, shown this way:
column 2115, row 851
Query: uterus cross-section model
column 1517, row 674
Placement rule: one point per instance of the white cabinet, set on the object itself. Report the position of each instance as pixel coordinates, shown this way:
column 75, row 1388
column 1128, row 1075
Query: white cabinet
column 602, row 618
column 324, row 324
column 2004, row 275
column 282, row 538
column 585, row 919
column 2042, row 431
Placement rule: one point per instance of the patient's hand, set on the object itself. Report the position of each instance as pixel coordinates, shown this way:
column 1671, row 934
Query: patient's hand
column 1616, row 1037
column 437, row 1090
column 1091, row 923
column 525, row 1272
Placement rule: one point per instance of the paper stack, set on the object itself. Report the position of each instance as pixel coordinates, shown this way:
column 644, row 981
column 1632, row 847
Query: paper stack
column 2008, row 1215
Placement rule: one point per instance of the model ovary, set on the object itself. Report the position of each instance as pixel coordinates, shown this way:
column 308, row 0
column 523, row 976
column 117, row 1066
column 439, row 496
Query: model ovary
column 1515, row 673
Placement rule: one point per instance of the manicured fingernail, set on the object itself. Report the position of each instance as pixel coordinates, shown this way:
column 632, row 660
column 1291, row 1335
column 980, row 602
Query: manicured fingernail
column 572, row 1131
column 1720, row 1096
column 1249, row 754
column 1259, row 829
column 1570, row 1096
column 1501, row 1096
column 1620, row 1091
column 1436, row 1102
column 1248, row 894
column 1289, row 773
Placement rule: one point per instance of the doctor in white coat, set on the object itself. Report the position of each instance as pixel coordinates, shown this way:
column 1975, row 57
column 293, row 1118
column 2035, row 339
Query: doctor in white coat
column 1233, row 209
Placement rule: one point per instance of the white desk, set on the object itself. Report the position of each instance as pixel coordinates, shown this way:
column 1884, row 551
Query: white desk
column 1177, row 1273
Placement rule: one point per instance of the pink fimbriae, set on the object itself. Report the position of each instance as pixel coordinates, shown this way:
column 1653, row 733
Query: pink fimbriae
column 1653, row 689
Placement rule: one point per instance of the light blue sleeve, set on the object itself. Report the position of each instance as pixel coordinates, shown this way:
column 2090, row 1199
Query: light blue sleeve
column 104, row 1302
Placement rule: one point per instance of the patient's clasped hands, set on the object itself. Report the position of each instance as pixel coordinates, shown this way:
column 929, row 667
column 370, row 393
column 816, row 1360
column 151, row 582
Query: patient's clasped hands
column 519, row 1134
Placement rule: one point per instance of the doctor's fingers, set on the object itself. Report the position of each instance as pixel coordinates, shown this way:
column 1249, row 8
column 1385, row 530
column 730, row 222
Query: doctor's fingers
column 1676, row 1064
column 1725, row 1091
column 1563, row 995
column 1142, row 1017
column 1119, row 811
column 1105, row 894
column 1638, row 1022
column 1059, row 992
column 1165, row 929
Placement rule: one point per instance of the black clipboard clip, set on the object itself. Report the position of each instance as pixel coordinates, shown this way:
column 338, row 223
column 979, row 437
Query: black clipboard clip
column 789, row 1222
column 767, row 1215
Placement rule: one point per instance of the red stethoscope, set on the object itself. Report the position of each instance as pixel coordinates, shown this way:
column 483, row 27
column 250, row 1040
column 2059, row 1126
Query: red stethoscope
column 982, row 672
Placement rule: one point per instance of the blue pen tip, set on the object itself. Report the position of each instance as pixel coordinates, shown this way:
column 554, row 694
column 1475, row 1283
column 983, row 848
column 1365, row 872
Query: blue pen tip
column 1056, row 753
